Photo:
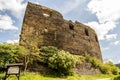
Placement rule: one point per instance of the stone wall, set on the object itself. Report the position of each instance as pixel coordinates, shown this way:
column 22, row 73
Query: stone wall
column 46, row 27
column 84, row 68
column 87, row 69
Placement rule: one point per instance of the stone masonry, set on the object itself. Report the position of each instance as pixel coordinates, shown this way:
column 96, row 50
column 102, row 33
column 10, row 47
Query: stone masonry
column 43, row 26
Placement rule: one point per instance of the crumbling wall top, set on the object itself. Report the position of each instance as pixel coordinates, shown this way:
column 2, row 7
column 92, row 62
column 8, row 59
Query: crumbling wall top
column 46, row 11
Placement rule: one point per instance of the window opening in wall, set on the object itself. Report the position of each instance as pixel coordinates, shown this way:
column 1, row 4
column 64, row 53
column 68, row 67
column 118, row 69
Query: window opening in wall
column 96, row 38
column 46, row 30
column 86, row 32
column 73, row 35
column 46, row 15
column 89, row 40
column 71, row 27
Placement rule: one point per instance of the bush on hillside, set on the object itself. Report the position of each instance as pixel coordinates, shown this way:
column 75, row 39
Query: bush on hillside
column 105, row 69
column 93, row 60
column 46, row 52
column 60, row 61
column 79, row 59
column 108, row 68
column 63, row 62
column 114, row 70
column 10, row 53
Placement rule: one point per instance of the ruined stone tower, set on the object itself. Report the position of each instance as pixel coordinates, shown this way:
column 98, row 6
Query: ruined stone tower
column 46, row 27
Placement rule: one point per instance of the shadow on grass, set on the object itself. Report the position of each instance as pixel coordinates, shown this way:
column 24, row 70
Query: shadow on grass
column 117, row 78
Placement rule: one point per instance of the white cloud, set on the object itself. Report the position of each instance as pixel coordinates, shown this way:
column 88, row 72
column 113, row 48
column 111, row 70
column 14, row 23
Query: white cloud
column 6, row 23
column 65, row 7
column 118, row 61
column 115, row 43
column 111, row 36
column 12, row 41
column 102, row 29
column 107, row 12
column 16, row 7
column 104, row 48
column 69, row 6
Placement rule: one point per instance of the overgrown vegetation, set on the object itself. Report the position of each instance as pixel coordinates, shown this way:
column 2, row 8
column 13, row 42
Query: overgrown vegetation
column 63, row 62
column 107, row 68
column 60, row 61
column 47, row 52
column 10, row 53
column 14, row 53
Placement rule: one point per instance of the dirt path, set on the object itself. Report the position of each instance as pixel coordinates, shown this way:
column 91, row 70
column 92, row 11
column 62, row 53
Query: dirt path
column 104, row 79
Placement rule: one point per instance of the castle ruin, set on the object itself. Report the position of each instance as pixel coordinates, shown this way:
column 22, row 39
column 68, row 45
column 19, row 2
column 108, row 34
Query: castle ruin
column 43, row 26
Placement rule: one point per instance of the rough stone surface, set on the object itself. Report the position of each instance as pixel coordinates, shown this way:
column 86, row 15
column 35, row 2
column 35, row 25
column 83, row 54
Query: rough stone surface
column 87, row 69
column 46, row 27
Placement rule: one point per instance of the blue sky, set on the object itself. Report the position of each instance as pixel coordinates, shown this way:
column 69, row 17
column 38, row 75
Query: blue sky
column 101, row 15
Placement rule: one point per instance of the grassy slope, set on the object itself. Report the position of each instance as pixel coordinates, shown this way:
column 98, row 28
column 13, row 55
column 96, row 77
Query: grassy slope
column 37, row 76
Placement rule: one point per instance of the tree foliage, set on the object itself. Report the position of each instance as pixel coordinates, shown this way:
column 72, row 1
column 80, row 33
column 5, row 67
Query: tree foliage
column 9, row 53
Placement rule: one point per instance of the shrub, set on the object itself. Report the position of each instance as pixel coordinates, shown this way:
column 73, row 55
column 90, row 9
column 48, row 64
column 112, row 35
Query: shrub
column 108, row 68
column 114, row 69
column 60, row 61
column 46, row 52
column 94, row 61
column 63, row 62
column 105, row 69
column 79, row 59
column 9, row 53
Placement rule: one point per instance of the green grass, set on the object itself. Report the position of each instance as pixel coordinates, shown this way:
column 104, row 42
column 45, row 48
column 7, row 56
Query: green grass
column 31, row 76
column 90, row 77
column 37, row 76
